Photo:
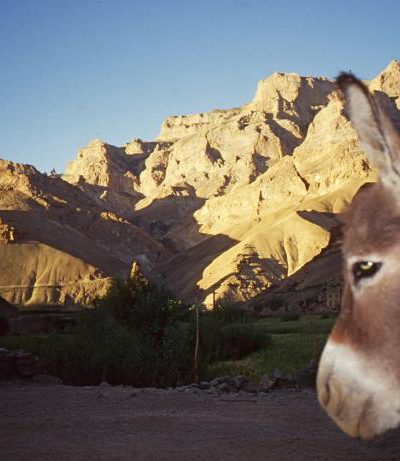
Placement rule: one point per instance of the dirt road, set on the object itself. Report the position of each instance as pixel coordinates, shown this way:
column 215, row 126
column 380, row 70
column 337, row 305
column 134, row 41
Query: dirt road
column 57, row 423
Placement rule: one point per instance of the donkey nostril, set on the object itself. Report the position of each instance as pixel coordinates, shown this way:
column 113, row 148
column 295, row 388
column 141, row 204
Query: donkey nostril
column 326, row 395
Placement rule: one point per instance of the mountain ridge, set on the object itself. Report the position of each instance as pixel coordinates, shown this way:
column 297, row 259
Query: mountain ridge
column 221, row 205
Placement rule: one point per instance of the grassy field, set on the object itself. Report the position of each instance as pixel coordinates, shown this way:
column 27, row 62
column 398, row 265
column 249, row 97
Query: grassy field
column 294, row 345
column 306, row 324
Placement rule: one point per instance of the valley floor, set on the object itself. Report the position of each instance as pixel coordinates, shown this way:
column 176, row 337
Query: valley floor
column 54, row 422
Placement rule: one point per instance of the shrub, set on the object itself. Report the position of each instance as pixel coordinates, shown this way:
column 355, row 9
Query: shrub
column 143, row 307
column 229, row 332
column 92, row 353
column 229, row 313
column 138, row 334
column 290, row 316
column 239, row 340
column 4, row 326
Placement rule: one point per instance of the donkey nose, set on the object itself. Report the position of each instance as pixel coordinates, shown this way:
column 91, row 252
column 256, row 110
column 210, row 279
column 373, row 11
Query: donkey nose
column 340, row 404
column 362, row 400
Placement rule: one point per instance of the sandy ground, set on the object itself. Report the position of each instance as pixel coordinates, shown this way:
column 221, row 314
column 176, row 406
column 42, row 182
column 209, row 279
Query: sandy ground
column 54, row 422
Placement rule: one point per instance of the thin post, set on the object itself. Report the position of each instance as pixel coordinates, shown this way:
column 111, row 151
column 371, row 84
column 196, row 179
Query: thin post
column 196, row 348
column 313, row 333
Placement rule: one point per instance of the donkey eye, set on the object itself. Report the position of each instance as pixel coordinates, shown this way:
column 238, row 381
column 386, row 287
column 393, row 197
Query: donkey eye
column 365, row 269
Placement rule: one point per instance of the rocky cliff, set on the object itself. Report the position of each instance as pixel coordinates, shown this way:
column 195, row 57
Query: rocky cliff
column 58, row 244
column 221, row 205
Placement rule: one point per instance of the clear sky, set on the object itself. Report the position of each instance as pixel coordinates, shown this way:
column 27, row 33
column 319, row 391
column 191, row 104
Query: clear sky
column 75, row 70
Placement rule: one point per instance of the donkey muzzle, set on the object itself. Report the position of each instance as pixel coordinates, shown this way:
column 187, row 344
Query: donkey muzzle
column 362, row 401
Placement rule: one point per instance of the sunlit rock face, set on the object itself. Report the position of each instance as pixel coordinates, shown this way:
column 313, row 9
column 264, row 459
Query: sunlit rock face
column 221, row 205
column 110, row 174
column 270, row 175
column 58, row 244
column 214, row 153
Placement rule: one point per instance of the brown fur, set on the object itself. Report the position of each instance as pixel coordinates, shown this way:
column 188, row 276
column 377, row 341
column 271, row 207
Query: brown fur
column 359, row 375
column 372, row 226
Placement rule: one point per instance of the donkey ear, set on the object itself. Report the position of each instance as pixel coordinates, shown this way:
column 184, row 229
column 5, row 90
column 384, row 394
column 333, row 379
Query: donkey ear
column 378, row 137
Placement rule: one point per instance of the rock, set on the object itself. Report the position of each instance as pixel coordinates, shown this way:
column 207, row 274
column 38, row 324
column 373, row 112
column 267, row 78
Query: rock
column 140, row 149
column 231, row 384
column 211, row 391
column 276, row 380
column 250, row 386
column 242, row 383
column 100, row 164
column 387, row 82
column 237, row 382
column 204, row 385
column 267, row 383
column 224, row 387
column 109, row 174
column 281, row 379
column 218, row 380
column 292, row 98
column 233, row 147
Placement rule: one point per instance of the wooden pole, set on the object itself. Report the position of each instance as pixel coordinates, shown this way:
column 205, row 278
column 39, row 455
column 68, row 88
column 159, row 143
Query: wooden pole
column 196, row 349
column 313, row 333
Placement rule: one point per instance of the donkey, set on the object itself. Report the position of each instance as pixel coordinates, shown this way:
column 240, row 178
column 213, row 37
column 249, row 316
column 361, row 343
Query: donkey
column 358, row 379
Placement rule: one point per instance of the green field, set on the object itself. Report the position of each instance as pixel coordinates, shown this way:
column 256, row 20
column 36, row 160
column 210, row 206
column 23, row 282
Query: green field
column 307, row 324
column 294, row 345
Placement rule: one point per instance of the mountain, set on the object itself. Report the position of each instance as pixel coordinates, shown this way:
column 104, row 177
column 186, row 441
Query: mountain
column 59, row 245
column 222, row 205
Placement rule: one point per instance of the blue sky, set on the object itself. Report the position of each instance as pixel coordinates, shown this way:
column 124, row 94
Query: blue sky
column 75, row 70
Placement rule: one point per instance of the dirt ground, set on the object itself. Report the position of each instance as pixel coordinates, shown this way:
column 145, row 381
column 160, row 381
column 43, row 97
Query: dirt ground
column 54, row 422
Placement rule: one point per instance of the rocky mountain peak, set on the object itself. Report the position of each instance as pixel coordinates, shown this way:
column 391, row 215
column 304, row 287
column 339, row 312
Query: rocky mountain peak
column 17, row 177
column 388, row 80
column 289, row 96
column 108, row 173
column 92, row 164
column 139, row 148
column 10, row 168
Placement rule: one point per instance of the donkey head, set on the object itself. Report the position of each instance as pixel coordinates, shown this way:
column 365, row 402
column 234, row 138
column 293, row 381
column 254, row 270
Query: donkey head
column 359, row 373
